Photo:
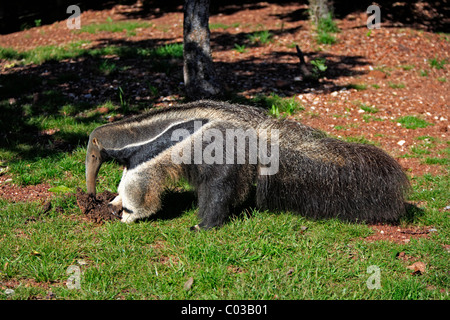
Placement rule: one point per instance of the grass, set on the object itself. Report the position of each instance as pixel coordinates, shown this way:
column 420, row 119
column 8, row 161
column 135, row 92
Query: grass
column 265, row 256
column 278, row 106
column 368, row 118
column 107, row 68
column 357, row 86
column 115, row 26
column 360, row 139
column 413, row 122
column 325, row 38
column 260, row 37
column 407, row 67
column 319, row 67
column 325, row 29
column 367, row 108
column 423, row 73
column 439, row 161
column 240, row 48
column 437, row 64
column 42, row 54
column 396, row 85
column 215, row 26
column 160, row 58
column 257, row 255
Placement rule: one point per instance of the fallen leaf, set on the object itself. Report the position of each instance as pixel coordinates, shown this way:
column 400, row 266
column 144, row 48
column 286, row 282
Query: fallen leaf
column 417, row 267
column 188, row 284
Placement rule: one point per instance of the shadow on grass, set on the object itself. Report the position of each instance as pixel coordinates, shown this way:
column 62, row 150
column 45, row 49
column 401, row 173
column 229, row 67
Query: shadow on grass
column 75, row 83
column 413, row 213
column 174, row 204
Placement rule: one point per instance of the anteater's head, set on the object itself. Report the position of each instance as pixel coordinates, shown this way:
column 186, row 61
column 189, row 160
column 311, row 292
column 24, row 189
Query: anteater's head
column 94, row 159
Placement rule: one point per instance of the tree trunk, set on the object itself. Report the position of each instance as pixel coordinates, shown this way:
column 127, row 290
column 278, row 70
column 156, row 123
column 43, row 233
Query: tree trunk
column 319, row 9
column 200, row 78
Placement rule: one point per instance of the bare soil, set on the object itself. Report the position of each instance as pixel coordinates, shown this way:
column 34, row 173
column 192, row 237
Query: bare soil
column 398, row 234
column 96, row 208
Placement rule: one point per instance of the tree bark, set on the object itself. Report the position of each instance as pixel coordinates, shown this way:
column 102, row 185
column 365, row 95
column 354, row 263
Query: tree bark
column 200, row 78
column 319, row 9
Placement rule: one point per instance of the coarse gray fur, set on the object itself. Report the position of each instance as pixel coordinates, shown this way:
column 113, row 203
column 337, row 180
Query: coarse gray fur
column 318, row 176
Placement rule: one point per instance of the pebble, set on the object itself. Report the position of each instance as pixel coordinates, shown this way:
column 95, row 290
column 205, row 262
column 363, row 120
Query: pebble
column 9, row 292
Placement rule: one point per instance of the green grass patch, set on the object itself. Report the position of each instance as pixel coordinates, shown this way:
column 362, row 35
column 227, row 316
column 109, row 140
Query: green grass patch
column 278, row 106
column 223, row 26
column 260, row 37
column 42, row 54
column 368, row 109
column 368, row 118
column 396, row 85
column 115, row 26
column 319, row 67
column 357, row 86
column 261, row 255
column 160, row 58
column 258, row 255
column 325, row 38
column 107, row 67
column 240, row 48
column 327, row 24
column 325, row 29
column 407, row 67
column 437, row 64
column 413, row 122
column 423, row 73
column 439, row 161
column 360, row 139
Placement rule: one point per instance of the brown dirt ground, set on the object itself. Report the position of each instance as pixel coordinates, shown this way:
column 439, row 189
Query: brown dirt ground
column 394, row 54
column 95, row 208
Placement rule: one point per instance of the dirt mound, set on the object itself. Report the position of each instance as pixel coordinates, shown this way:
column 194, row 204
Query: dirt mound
column 96, row 208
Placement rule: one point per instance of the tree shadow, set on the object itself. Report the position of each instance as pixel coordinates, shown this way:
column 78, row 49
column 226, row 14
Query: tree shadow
column 79, row 84
column 431, row 16
column 261, row 77
column 74, row 87
column 417, row 14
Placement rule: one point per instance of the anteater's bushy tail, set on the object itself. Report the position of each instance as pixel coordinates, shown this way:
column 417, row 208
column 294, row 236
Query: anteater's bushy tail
column 326, row 178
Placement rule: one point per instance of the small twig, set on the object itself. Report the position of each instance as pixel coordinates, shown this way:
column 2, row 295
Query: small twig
column 302, row 64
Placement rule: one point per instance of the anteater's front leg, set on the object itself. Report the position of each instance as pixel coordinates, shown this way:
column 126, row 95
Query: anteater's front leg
column 115, row 206
column 140, row 192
